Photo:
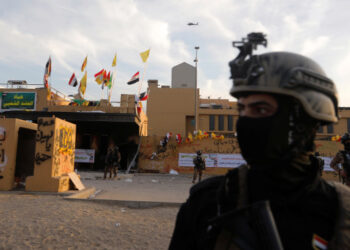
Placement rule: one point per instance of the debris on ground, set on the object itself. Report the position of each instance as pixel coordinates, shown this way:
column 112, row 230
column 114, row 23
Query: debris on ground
column 172, row 171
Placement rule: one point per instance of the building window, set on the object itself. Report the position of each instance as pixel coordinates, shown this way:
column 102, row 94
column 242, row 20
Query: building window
column 320, row 130
column 212, row 122
column 230, row 122
column 330, row 129
column 221, row 122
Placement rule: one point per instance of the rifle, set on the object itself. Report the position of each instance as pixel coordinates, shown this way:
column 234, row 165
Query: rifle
column 252, row 227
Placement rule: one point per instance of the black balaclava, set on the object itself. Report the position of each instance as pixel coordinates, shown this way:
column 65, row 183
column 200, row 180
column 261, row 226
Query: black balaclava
column 277, row 148
column 284, row 136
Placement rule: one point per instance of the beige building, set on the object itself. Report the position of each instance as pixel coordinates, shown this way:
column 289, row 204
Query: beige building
column 183, row 76
column 172, row 110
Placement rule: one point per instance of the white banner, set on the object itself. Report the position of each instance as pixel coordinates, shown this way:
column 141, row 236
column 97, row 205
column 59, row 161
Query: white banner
column 85, row 155
column 212, row 160
column 327, row 163
column 228, row 160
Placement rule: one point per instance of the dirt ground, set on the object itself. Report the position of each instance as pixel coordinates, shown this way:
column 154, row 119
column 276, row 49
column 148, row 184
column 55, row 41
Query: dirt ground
column 50, row 222
column 33, row 221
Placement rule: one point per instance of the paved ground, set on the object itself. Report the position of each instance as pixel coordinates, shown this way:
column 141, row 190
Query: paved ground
column 139, row 187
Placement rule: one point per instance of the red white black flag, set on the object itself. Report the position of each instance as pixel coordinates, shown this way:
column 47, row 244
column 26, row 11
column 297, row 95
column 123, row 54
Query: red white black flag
column 134, row 79
column 143, row 96
column 73, row 81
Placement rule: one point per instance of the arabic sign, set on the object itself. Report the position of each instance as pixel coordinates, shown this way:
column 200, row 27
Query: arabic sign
column 85, row 155
column 17, row 100
column 228, row 160
column 213, row 160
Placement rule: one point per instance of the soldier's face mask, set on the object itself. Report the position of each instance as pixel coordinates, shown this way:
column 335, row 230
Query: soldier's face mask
column 262, row 140
column 275, row 139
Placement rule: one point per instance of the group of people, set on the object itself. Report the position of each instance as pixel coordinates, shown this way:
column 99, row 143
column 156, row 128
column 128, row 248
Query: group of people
column 278, row 199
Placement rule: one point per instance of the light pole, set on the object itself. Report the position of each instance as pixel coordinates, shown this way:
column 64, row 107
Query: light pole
column 195, row 88
column 195, row 91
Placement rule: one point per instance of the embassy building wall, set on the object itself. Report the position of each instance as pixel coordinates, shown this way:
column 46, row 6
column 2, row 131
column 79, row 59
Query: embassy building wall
column 172, row 110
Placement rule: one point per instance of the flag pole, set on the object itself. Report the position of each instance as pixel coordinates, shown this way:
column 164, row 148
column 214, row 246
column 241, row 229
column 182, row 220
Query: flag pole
column 143, row 75
column 113, row 80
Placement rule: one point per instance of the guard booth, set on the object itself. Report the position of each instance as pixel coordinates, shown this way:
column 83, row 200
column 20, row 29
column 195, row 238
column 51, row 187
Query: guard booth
column 54, row 156
column 17, row 145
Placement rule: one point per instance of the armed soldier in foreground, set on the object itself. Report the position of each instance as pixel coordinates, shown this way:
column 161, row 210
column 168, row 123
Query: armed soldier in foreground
column 343, row 158
column 277, row 200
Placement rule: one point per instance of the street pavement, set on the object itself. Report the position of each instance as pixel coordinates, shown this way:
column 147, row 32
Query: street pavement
column 165, row 188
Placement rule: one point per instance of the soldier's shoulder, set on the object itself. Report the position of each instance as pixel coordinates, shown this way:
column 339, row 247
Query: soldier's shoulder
column 343, row 193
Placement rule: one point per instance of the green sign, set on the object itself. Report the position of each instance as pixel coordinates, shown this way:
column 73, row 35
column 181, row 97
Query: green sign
column 18, row 100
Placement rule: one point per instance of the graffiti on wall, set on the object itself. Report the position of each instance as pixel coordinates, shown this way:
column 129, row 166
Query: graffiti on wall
column 3, row 157
column 64, row 150
column 44, row 136
column 66, row 140
column 150, row 156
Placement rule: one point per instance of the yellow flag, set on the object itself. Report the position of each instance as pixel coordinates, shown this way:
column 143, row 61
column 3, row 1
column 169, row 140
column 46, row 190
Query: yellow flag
column 114, row 63
column 144, row 55
column 84, row 64
column 48, row 96
column 83, row 83
column 190, row 137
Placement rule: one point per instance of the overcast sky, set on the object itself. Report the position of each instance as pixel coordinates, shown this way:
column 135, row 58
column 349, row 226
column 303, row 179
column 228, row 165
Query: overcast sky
column 68, row 30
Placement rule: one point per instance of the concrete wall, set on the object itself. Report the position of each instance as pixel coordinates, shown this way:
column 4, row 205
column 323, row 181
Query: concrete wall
column 169, row 159
column 183, row 76
column 54, row 156
column 8, row 149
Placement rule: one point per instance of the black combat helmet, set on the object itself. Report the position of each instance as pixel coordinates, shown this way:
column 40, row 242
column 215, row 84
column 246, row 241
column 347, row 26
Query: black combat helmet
column 285, row 74
column 199, row 152
column 344, row 138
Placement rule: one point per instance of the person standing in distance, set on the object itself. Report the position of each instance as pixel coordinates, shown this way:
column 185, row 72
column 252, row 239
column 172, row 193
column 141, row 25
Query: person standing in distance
column 199, row 166
column 283, row 98
column 343, row 158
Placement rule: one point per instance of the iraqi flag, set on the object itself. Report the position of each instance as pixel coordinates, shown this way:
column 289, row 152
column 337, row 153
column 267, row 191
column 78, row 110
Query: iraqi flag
column 139, row 107
column 134, row 79
column 143, row 96
column 319, row 243
column 73, row 81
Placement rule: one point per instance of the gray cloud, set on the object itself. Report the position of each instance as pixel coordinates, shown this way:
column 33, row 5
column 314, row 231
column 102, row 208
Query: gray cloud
column 70, row 30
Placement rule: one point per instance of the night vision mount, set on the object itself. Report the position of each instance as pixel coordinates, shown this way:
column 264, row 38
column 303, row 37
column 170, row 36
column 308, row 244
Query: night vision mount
column 246, row 47
column 250, row 43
